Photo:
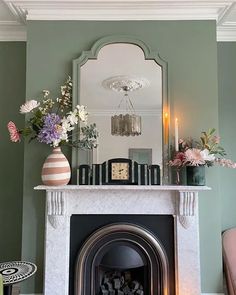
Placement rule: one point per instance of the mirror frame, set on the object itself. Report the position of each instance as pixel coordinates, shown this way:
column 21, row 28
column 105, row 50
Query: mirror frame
column 148, row 55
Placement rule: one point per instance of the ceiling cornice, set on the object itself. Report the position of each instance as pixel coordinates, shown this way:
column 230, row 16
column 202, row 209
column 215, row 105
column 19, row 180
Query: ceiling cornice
column 17, row 11
column 118, row 9
column 24, row 10
column 226, row 33
column 226, row 30
column 12, row 31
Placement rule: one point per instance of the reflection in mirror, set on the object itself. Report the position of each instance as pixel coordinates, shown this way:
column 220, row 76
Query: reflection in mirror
column 104, row 100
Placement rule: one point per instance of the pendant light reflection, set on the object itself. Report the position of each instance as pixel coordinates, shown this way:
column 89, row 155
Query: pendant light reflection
column 126, row 124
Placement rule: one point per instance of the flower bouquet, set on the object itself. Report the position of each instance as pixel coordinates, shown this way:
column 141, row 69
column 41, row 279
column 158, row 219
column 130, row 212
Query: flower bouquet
column 52, row 122
column 205, row 152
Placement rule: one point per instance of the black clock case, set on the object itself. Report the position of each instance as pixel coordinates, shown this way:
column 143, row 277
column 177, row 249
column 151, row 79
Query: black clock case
column 100, row 174
column 84, row 175
column 107, row 172
column 154, row 177
column 96, row 174
column 143, row 174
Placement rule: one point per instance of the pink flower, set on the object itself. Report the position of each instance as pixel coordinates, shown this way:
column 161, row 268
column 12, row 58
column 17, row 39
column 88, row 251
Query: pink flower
column 194, row 157
column 226, row 163
column 184, row 144
column 216, row 139
column 178, row 160
column 14, row 133
column 180, row 156
column 28, row 106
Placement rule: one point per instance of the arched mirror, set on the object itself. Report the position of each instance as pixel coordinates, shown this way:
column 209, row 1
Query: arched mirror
column 124, row 86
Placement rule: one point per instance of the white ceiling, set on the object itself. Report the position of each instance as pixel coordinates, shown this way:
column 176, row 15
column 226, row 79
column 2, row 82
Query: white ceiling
column 15, row 13
column 120, row 59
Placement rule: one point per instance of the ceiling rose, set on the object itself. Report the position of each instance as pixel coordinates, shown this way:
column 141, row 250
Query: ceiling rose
column 125, row 83
column 128, row 124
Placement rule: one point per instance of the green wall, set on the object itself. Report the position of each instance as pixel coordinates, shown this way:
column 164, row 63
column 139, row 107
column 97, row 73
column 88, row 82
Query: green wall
column 227, row 119
column 12, row 95
column 190, row 49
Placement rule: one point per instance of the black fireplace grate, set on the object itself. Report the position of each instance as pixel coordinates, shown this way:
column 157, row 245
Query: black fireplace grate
column 121, row 283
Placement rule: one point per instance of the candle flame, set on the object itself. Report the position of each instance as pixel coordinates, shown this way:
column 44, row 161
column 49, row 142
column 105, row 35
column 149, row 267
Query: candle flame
column 166, row 126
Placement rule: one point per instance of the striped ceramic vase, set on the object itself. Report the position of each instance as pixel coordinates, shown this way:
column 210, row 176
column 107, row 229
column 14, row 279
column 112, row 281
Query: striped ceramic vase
column 56, row 169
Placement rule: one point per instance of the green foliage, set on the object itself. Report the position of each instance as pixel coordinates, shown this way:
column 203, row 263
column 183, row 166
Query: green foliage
column 210, row 141
column 88, row 137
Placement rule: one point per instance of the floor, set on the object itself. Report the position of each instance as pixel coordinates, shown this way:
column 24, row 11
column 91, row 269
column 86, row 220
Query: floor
column 16, row 290
column 224, row 286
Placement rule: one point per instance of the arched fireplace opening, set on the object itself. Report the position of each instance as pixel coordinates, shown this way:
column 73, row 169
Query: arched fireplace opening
column 121, row 267
column 122, row 259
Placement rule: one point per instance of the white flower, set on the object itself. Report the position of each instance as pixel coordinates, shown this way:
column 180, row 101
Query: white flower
column 83, row 114
column 46, row 93
column 56, row 142
column 206, row 156
column 66, row 126
column 64, row 136
column 63, row 90
column 72, row 118
column 29, row 106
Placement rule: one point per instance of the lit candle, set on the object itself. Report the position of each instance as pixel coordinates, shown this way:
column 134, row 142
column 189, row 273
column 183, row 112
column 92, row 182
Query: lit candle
column 176, row 135
column 97, row 152
column 166, row 123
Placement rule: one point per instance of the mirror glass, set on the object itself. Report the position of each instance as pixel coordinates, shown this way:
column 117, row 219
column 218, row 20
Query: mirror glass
column 127, row 62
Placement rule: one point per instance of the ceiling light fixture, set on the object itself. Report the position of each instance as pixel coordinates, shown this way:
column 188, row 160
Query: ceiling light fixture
column 125, row 122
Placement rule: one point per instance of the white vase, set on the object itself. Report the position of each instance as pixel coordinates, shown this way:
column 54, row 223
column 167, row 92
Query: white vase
column 56, row 169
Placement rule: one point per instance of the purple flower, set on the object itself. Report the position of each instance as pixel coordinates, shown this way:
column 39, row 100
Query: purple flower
column 50, row 130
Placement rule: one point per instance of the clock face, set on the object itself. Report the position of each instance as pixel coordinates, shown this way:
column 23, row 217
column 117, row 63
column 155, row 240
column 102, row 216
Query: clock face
column 120, row 171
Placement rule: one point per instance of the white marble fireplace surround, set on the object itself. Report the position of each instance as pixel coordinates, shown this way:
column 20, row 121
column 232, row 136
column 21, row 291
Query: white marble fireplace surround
column 179, row 201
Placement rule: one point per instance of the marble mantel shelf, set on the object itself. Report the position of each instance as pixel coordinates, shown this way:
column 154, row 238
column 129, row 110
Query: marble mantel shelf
column 179, row 201
column 177, row 188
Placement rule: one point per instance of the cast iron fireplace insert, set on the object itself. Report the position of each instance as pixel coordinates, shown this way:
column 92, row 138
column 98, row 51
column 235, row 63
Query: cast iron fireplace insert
column 122, row 258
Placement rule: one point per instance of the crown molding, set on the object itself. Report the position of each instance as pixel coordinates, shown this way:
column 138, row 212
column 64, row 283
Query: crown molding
column 226, row 33
column 118, row 9
column 17, row 11
column 226, row 30
column 223, row 14
column 12, row 31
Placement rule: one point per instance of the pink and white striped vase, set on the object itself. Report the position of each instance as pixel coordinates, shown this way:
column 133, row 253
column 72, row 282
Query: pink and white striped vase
column 56, row 169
